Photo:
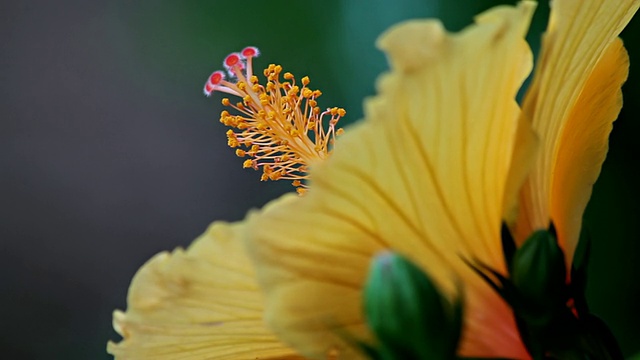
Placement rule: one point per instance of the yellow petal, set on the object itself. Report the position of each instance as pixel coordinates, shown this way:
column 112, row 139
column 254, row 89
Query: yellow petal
column 202, row 303
column 424, row 175
column 579, row 37
column 584, row 143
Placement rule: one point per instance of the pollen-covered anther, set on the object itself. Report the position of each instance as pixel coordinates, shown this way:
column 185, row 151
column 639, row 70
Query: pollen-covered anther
column 279, row 125
column 248, row 164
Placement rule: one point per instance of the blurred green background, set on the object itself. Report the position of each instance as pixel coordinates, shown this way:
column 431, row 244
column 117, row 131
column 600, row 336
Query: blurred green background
column 110, row 153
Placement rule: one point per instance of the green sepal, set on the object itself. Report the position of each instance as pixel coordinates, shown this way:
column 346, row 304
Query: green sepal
column 579, row 267
column 539, row 295
column 407, row 314
column 508, row 244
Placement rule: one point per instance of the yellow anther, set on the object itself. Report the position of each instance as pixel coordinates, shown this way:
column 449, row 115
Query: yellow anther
column 342, row 112
column 340, row 131
column 274, row 129
column 301, row 191
column 275, row 175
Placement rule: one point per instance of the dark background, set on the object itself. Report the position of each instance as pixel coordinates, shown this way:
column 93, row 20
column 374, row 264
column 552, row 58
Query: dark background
column 109, row 153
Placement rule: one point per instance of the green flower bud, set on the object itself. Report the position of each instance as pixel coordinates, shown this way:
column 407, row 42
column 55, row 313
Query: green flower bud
column 404, row 309
column 539, row 273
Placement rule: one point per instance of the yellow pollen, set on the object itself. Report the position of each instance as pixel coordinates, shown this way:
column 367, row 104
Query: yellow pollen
column 279, row 125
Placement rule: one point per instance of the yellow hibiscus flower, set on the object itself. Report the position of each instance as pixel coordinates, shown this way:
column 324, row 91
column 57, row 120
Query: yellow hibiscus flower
column 430, row 173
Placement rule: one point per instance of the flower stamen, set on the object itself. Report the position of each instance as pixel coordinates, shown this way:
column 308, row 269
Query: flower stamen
column 279, row 125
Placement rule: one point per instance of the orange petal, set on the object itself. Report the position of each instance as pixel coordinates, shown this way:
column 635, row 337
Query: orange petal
column 424, row 175
column 578, row 67
column 584, row 143
column 202, row 303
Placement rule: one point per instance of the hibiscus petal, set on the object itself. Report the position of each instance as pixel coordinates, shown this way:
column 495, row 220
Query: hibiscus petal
column 577, row 45
column 424, row 175
column 202, row 303
column 584, row 143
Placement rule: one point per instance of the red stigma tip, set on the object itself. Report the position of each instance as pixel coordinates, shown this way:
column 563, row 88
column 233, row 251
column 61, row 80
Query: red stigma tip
column 208, row 88
column 216, row 77
column 232, row 60
column 250, row 51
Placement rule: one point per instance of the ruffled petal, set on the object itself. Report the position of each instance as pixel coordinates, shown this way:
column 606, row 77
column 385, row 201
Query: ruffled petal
column 572, row 102
column 202, row 303
column 424, row 175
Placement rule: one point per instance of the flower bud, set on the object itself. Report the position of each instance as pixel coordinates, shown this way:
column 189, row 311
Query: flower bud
column 539, row 273
column 405, row 311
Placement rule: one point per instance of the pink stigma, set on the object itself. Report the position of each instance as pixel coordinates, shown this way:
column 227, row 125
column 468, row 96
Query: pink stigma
column 232, row 60
column 250, row 51
column 216, row 77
